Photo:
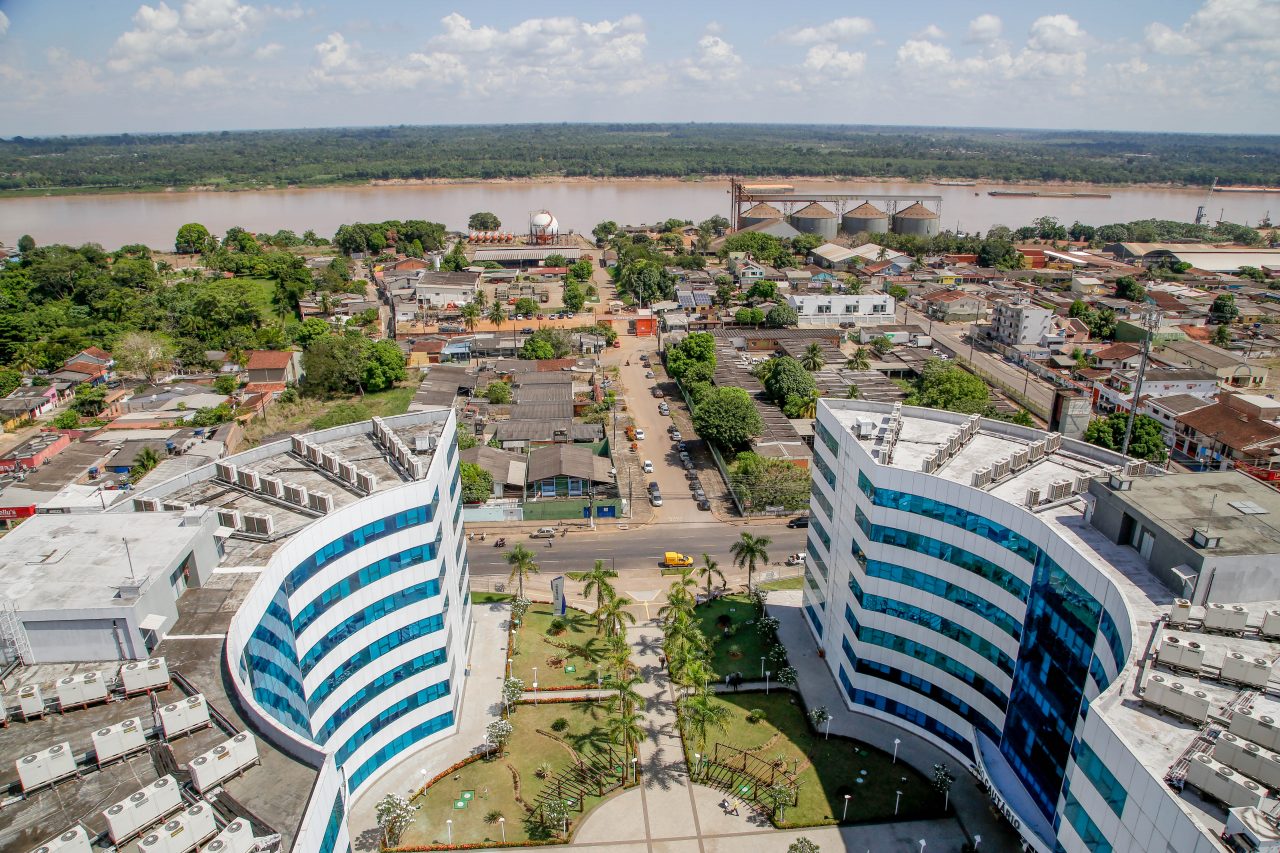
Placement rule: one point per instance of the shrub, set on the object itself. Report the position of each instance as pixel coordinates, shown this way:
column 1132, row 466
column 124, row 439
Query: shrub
column 557, row 627
column 755, row 715
column 492, row 816
column 542, row 771
column 560, row 724
column 723, row 621
column 735, row 652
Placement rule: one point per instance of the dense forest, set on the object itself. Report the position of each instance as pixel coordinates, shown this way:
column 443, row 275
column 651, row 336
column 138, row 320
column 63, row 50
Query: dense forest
column 248, row 159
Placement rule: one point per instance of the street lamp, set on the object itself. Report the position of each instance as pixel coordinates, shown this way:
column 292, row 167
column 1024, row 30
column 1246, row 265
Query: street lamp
column 977, row 839
column 762, row 667
column 697, row 763
column 535, row 693
column 896, row 802
column 827, row 736
column 502, row 824
column 448, row 825
column 896, row 741
column 766, row 682
column 921, row 845
column 844, row 814
column 634, row 770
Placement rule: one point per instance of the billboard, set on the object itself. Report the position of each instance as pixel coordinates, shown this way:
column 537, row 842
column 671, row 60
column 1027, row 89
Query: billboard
column 557, row 595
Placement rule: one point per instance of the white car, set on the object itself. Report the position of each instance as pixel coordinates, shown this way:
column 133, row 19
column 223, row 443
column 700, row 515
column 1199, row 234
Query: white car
column 647, row 467
column 639, row 435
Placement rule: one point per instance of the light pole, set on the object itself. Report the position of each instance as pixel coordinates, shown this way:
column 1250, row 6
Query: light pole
column 634, row 770
column 827, row 736
column 762, row 667
column 896, row 741
column 448, row 825
column 502, row 824
column 844, row 814
column 896, row 802
column 977, row 839
column 766, row 682
column 697, row 763
column 921, row 845
column 535, row 693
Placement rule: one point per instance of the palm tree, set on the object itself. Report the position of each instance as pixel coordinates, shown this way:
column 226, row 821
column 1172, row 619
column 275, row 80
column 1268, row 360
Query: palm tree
column 597, row 582
column 678, row 601
column 480, row 299
column 883, row 253
column 860, row 360
column 625, row 687
column 702, row 713
column 852, row 285
column 521, row 561
column 625, row 731
column 853, row 393
column 496, row 315
column 812, row 360
column 809, row 407
column 710, row 570
column 470, row 314
column 749, row 551
column 617, row 657
column 614, row 615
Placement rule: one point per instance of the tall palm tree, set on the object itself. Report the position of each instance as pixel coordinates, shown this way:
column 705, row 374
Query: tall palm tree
column 496, row 315
column 812, row 360
column 481, row 300
column 860, row 360
column 470, row 314
column 809, row 407
column 710, row 570
column 521, row 561
column 625, row 731
column 678, row 601
column 597, row 583
column 613, row 615
column 625, row 688
column 617, row 657
column 749, row 551
column 702, row 713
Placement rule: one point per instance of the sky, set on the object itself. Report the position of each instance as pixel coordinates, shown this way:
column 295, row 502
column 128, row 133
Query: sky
column 115, row 66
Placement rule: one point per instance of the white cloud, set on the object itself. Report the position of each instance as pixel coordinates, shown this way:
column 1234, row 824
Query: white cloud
column 202, row 78
column 985, row 28
column 1242, row 26
column 839, row 30
column 923, row 55
column 335, row 54
column 1056, row 34
column 716, row 60
column 933, row 32
column 200, row 28
column 831, row 60
column 268, row 50
column 1162, row 38
column 4, row 23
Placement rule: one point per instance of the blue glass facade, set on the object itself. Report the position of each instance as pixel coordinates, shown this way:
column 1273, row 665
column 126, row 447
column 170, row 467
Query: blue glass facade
column 1084, row 826
column 906, row 712
column 943, row 589
column 401, row 743
column 334, row 825
column 375, row 688
column 1102, row 779
column 358, row 538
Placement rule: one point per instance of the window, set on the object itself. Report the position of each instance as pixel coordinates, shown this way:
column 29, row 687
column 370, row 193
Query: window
column 822, row 500
column 832, row 443
column 389, row 716
column 1084, row 826
column 397, row 746
column 906, row 712
column 879, row 308
column 370, row 574
column 367, row 655
column 943, row 589
column 334, row 825
column 825, row 470
column 821, row 532
column 1102, row 779
column 358, row 538
column 824, row 309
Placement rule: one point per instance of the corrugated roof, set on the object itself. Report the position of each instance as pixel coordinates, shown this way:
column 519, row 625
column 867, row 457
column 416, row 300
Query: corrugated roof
column 567, row 460
column 813, row 210
column 916, row 211
column 763, row 210
column 867, row 210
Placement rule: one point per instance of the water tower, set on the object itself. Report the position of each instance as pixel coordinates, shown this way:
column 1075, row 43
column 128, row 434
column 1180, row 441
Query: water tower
column 543, row 227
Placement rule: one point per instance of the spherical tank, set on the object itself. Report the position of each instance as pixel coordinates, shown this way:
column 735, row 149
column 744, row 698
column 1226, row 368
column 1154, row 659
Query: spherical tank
column 815, row 219
column 762, row 212
column 867, row 218
column 917, row 220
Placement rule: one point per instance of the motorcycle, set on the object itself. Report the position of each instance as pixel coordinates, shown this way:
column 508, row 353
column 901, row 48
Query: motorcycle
column 501, row 542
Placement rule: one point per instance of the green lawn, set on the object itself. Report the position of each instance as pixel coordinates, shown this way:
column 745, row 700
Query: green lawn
column 796, row 582
column 492, row 783
column 828, row 769
column 578, row 646
column 742, row 649
column 491, row 597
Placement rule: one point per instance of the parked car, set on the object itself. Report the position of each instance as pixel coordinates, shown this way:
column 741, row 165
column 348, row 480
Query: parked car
column 795, row 560
column 672, row 429
column 799, row 521
column 543, row 533
column 688, row 464
column 527, row 330
column 681, row 446
column 639, row 435
column 655, row 499
column 704, row 505
column 647, row 467
column 677, row 437
column 648, row 374
column 657, row 392
column 653, row 485
column 699, row 495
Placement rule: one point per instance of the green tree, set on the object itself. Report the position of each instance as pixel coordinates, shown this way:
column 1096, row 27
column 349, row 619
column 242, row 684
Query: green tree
column 604, row 230
column 522, row 564
column 573, row 297
column 526, row 306
column 999, row 254
column 786, row 378
column 645, row 281
column 803, row 845
column 194, row 238
column 1146, row 441
column 66, row 420
column 709, row 571
column 483, row 221
column 455, row 260
column 1127, row 287
column 471, row 315
column 802, row 407
column 701, row 714
column 145, row 461
column 226, row 384
column 1222, row 336
column 693, row 359
column 748, row 317
column 143, row 354
column 25, row 244
column 812, row 359
column 310, row 329
column 727, row 416
column 780, row 316
column 860, row 360
column 748, row 552
column 90, row 400
column 394, row 814
column 614, row 615
column 477, row 483
column 882, row 345
column 384, row 365
column 944, row 386
column 1224, row 309
column 762, row 291
column 496, row 314
column 498, row 392
column 596, row 582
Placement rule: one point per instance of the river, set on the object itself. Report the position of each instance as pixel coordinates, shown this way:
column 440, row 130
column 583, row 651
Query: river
column 154, row 218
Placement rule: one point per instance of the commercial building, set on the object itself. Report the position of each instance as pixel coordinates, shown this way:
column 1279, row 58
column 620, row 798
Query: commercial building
column 1019, row 322
column 832, row 309
column 957, row 589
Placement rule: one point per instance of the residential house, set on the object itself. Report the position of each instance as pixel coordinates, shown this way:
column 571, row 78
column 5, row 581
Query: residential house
column 35, row 451
column 507, row 469
column 1115, row 393
column 1229, row 367
column 94, row 360
column 1226, row 432
column 842, row 308
column 1167, row 410
column 272, row 370
column 1019, row 322
column 1117, row 356
column 445, row 289
column 566, row 471
column 41, row 398
column 952, row 306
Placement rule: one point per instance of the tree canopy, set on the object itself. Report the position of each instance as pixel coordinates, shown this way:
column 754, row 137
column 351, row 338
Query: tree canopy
column 1146, row 441
column 727, row 417
column 484, row 221
column 785, row 377
column 351, row 363
column 945, row 386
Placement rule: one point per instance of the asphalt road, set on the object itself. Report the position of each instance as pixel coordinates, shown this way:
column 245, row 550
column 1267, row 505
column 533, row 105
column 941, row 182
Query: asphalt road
column 949, row 336
column 639, row 548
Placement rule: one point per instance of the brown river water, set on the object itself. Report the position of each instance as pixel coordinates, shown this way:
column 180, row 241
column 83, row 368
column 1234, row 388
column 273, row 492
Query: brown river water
column 154, row 218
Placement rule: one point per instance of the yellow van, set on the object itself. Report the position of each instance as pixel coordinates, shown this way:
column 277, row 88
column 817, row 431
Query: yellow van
column 675, row 559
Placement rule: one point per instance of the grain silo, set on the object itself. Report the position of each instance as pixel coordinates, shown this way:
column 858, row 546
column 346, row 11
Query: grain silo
column 917, row 220
column 762, row 212
column 866, row 217
column 815, row 219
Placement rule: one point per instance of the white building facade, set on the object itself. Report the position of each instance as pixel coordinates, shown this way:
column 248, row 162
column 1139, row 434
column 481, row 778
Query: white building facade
column 964, row 617
column 1015, row 323
column 832, row 309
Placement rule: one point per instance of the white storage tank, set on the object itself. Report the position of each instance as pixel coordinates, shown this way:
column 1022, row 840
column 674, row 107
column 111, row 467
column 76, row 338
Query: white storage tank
column 236, row 837
column 1255, row 672
column 123, row 738
column 178, row 718
column 1259, row 728
column 74, row 840
column 222, row 762
column 1225, row 618
column 1180, row 613
column 31, row 702
column 143, row 675
column 81, row 689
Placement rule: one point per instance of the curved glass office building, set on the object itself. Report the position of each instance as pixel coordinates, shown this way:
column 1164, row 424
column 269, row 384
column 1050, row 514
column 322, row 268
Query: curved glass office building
column 346, row 652
column 958, row 591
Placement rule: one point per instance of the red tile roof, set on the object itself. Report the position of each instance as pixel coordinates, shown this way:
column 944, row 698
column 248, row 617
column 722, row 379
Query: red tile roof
column 265, row 359
column 264, row 387
column 1116, row 352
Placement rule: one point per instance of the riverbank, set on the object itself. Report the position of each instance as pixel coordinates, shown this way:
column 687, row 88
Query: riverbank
column 654, row 180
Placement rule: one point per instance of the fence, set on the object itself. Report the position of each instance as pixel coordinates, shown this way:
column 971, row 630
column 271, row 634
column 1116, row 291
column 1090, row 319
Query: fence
column 719, row 460
column 748, row 776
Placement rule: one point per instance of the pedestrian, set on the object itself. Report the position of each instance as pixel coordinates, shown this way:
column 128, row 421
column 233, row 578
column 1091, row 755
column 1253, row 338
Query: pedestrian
column 662, row 661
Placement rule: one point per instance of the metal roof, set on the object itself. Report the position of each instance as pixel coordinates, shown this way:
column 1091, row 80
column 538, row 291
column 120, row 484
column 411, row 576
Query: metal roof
column 571, row 253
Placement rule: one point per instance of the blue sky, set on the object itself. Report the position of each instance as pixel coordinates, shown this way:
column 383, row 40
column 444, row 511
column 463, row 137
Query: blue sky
column 109, row 66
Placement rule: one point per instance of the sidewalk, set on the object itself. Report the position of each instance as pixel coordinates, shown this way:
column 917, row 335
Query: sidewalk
column 479, row 678
column 968, row 799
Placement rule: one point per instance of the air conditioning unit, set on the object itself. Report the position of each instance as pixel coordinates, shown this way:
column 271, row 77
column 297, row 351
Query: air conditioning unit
column 1019, row 459
column 236, row 837
column 247, row 480
column 981, row 478
column 1036, row 450
column 321, row 502
column 366, row 482
column 31, row 702
column 74, row 840
column 81, row 689
column 272, row 487
column 146, row 504
column 347, row 471
column 178, row 718
column 230, row 518
column 225, row 471
column 298, row 445
column 1202, row 539
column 1060, row 490
column 295, row 494
column 121, row 739
column 1000, row 469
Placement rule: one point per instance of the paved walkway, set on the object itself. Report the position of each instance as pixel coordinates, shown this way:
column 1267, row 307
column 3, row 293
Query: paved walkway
column 819, row 688
column 481, row 703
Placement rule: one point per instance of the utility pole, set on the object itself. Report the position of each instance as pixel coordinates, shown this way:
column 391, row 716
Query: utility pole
column 1150, row 321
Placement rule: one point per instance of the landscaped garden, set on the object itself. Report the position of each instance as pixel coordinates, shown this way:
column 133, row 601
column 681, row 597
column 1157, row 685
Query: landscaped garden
column 778, row 736
column 567, row 650
column 729, row 624
column 545, row 743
